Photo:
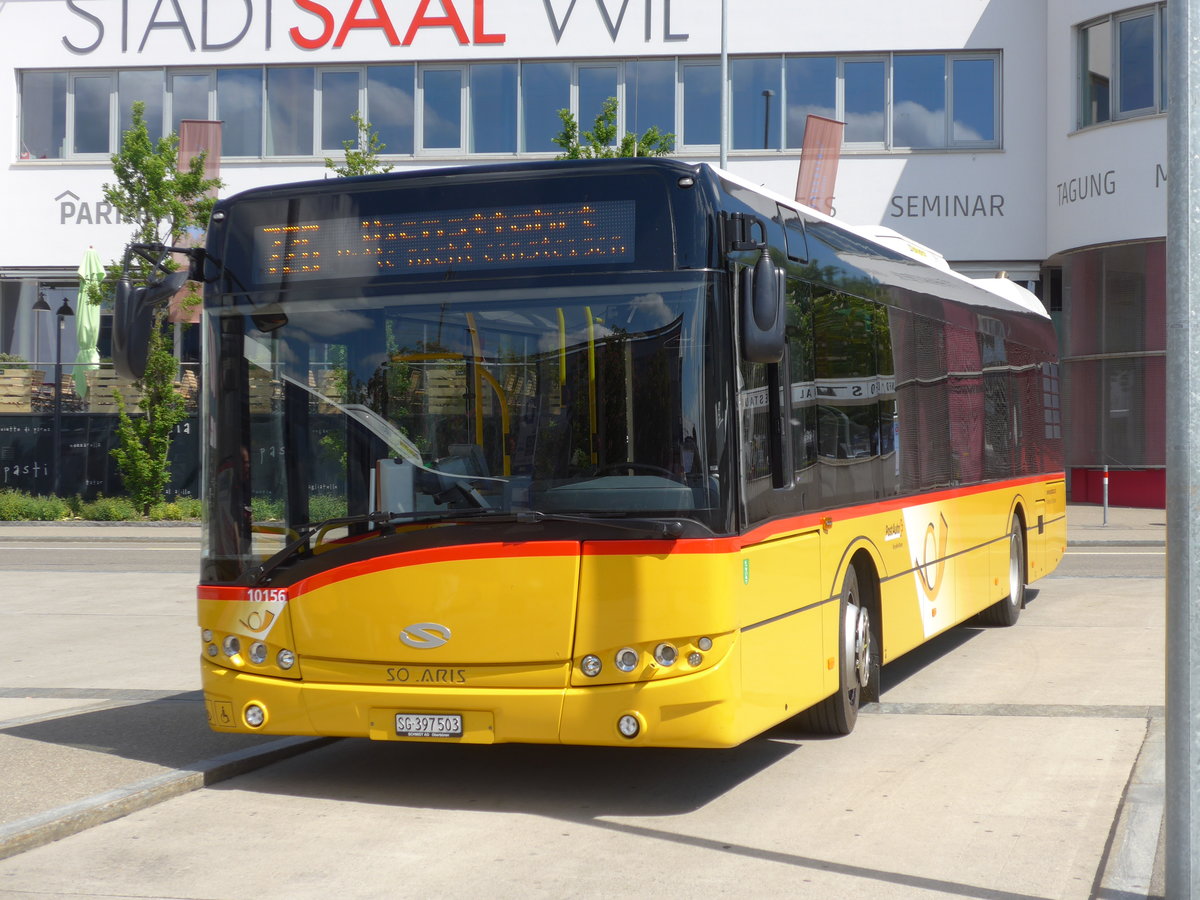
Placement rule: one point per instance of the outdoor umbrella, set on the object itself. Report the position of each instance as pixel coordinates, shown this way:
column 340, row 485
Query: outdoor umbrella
column 87, row 319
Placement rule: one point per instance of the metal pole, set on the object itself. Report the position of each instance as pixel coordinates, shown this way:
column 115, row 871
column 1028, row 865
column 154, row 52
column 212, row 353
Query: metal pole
column 724, row 84
column 1182, row 869
column 767, row 94
column 54, row 482
column 1104, row 521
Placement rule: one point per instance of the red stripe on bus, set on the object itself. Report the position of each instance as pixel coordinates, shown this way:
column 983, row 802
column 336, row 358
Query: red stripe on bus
column 457, row 553
column 778, row 527
column 641, row 547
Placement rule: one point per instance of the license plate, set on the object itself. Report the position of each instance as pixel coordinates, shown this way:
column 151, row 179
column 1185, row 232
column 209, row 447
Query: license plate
column 428, row 725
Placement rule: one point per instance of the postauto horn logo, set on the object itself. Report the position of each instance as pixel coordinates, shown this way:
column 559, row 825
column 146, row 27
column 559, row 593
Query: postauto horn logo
column 425, row 635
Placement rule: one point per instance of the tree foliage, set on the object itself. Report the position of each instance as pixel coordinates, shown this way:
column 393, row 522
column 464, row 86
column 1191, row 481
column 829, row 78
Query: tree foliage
column 163, row 204
column 362, row 151
column 601, row 142
column 143, row 443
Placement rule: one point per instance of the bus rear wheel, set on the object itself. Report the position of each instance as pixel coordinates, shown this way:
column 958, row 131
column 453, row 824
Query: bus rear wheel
column 1006, row 612
column 858, row 665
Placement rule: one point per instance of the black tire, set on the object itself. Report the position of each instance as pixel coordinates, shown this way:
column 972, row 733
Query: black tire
column 858, row 665
column 1006, row 612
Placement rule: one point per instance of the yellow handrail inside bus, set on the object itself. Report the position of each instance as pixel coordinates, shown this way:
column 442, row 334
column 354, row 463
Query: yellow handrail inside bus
column 593, row 418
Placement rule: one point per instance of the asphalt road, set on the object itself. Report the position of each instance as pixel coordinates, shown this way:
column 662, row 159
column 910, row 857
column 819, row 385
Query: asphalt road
column 997, row 765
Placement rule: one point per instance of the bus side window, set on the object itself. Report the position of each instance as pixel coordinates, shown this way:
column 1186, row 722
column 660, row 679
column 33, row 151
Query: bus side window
column 848, row 438
column 802, row 393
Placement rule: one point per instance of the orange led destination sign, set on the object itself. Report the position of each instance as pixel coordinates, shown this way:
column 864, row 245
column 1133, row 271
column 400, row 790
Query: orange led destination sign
column 555, row 234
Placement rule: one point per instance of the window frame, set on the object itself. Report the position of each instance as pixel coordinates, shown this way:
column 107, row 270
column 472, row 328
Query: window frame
column 169, row 102
column 1156, row 67
column 686, row 63
column 464, row 112
column 319, row 104
column 886, row 60
column 1118, row 111
column 996, row 142
column 109, row 75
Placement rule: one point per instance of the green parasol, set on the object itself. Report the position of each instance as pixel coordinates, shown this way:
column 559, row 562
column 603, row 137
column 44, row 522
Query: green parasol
column 87, row 320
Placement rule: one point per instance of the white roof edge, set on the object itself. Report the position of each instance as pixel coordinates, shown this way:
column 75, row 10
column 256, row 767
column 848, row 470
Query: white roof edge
column 893, row 240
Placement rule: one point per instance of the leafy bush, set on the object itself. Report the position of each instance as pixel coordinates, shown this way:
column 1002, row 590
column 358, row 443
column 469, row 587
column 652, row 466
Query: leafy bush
column 18, row 507
column 320, row 508
column 326, row 506
column 266, row 509
column 110, row 509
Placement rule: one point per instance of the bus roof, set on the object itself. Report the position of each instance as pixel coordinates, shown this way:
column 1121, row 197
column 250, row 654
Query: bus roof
column 998, row 292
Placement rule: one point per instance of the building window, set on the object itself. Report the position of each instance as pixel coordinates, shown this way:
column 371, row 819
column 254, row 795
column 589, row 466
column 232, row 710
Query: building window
column 650, row 96
column 339, row 101
column 442, row 109
column 290, row 112
column 755, row 104
column 494, row 108
column 91, row 113
column 146, row 85
column 1122, row 69
column 810, row 83
column 391, row 107
column 864, row 100
column 701, row 104
column 921, row 101
column 191, row 93
column 545, row 89
column 43, row 115
column 240, row 107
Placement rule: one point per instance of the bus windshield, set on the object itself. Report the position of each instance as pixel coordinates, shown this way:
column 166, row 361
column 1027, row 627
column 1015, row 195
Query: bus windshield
column 567, row 399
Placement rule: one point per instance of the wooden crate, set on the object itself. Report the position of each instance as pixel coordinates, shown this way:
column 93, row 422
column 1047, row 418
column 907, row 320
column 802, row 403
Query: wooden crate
column 17, row 388
column 102, row 383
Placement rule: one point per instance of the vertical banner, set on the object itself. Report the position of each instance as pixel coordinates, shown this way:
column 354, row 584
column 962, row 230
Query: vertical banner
column 819, row 158
column 196, row 136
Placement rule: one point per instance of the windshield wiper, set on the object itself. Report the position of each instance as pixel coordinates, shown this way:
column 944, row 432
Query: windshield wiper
column 669, row 528
column 261, row 574
column 666, row 529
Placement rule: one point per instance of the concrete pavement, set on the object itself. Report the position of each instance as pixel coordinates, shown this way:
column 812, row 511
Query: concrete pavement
column 73, row 760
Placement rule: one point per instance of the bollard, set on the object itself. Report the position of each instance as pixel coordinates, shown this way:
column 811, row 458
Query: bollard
column 1104, row 520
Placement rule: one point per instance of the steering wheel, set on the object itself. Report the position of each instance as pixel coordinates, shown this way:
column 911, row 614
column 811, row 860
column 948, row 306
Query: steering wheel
column 646, row 468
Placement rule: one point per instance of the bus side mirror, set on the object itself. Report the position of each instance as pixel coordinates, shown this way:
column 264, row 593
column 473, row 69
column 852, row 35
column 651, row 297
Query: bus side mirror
column 133, row 317
column 763, row 312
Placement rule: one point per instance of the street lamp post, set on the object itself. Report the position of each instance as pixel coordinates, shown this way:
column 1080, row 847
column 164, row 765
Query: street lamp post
column 767, row 95
column 61, row 313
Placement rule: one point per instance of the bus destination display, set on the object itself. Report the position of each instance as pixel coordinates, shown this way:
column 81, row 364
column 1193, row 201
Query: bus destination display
column 541, row 235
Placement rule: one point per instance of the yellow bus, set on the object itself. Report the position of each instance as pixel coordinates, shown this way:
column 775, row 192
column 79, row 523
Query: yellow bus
column 625, row 453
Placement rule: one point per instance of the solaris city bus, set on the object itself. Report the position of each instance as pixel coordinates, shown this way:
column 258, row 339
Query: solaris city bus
column 618, row 452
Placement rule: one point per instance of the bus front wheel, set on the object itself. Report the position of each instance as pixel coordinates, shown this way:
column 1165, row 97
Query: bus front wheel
column 858, row 664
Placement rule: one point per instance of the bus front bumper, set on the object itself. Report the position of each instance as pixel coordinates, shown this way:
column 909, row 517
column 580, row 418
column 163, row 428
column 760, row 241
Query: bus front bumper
column 694, row 710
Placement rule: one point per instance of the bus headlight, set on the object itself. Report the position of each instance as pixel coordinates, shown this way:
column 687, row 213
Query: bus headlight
column 627, row 659
column 258, row 653
column 286, row 659
column 665, row 654
column 231, row 645
column 591, row 665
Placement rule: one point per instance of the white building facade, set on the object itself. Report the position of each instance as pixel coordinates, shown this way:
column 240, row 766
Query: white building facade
column 1022, row 136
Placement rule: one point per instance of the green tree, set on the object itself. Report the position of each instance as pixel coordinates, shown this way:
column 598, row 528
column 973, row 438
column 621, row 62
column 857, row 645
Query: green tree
column 143, row 443
column 362, row 151
column 163, row 204
column 601, row 142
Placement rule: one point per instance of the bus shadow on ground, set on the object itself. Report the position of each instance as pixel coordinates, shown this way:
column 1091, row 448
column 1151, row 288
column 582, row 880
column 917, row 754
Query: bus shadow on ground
column 944, row 644
column 170, row 731
column 566, row 782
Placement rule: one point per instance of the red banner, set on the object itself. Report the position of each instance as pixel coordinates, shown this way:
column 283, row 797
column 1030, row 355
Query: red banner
column 819, row 163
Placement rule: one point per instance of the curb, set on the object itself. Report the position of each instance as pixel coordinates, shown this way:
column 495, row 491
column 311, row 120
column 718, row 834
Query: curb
column 44, row 828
